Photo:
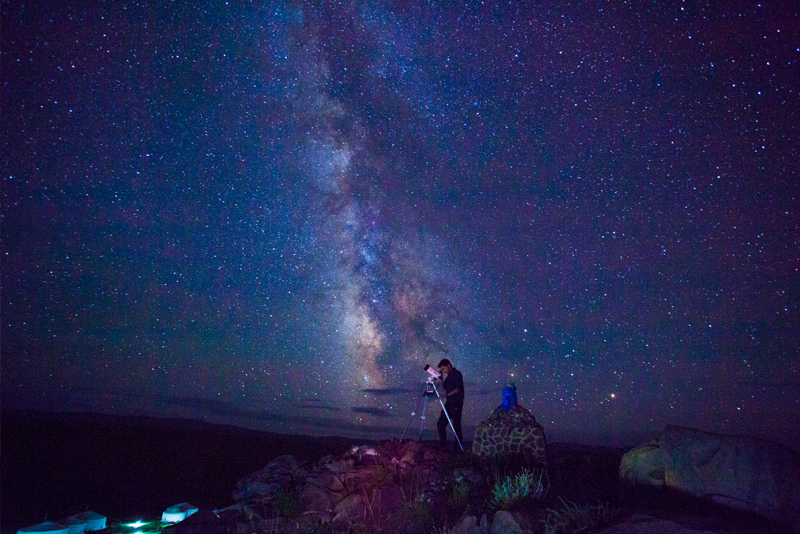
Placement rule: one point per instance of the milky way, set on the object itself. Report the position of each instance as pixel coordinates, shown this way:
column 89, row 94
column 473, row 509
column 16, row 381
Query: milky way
column 274, row 215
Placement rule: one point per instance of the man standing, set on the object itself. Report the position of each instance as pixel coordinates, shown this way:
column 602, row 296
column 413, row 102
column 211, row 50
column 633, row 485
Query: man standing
column 454, row 402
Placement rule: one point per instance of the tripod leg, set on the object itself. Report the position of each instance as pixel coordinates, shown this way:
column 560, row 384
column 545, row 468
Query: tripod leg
column 422, row 417
column 412, row 417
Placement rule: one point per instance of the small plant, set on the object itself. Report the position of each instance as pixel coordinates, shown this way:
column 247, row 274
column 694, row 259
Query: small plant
column 287, row 504
column 514, row 488
column 410, row 485
column 571, row 518
column 382, row 475
column 459, row 498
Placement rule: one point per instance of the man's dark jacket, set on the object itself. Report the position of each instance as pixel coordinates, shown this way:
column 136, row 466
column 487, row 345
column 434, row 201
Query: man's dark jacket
column 454, row 380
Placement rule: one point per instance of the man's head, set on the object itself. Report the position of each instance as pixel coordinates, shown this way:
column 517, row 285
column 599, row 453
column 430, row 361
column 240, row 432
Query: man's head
column 445, row 366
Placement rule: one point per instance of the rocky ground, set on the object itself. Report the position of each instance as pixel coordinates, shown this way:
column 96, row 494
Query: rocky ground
column 409, row 487
column 55, row 465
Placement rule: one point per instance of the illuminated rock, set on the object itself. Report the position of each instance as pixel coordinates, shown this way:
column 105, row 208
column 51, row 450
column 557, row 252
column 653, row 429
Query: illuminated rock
column 643, row 465
column 741, row 472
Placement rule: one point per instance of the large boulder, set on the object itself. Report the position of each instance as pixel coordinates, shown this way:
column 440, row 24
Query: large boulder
column 643, row 465
column 742, row 472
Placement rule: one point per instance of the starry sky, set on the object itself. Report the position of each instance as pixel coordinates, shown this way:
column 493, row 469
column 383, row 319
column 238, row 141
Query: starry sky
column 274, row 214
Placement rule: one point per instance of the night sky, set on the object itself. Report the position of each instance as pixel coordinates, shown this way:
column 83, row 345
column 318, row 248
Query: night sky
column 274, row 214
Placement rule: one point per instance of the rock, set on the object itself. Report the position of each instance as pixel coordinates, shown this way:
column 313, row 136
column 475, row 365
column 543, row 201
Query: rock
column 484, row 524
column 282, row 470
column 363, row 451
column 467, row 525
column 504, row 523
column 262, row 488
column 741, row 472
column 361, row 477
column 643, row 465
column 316, row 499
column 747, row 473
column 326, row 479
column 525, row 522
column 413, row 453
column 339, row 466
column 201, row 522
column 351, row 508
column 256, row 489
column 283, row 473
column 230, row 515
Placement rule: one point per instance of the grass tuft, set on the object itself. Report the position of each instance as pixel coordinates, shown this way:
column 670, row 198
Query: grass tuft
column 571, row 518
column 514, row 488
column 459, row 498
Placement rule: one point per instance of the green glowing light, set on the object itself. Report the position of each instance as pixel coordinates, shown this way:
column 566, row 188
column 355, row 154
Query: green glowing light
column 138, row 527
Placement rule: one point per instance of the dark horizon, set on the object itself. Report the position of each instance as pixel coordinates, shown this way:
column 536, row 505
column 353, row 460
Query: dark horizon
column 323, row 423
column 274, row 215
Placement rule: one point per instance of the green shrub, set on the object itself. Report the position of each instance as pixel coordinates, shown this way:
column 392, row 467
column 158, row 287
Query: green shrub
column 514, row 488
column 571, row 518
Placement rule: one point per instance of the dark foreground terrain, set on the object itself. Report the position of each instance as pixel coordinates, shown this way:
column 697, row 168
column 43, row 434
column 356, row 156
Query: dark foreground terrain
column 56, row 465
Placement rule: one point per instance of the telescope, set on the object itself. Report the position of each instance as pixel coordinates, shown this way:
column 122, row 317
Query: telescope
column 433, row 374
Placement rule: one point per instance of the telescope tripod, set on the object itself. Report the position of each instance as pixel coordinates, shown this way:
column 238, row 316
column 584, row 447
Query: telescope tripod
column 430, row 391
